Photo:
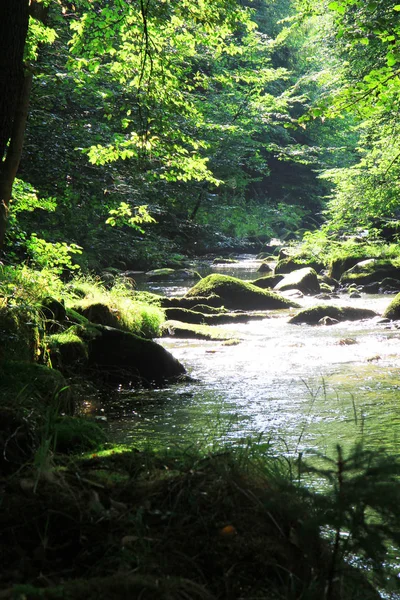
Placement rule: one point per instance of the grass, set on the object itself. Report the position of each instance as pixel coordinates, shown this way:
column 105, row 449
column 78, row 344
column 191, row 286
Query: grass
column 185, row 524
column 131, row 311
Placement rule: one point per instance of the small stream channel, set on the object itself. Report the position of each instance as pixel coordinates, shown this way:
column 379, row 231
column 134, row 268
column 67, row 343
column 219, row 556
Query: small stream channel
column 303, row 388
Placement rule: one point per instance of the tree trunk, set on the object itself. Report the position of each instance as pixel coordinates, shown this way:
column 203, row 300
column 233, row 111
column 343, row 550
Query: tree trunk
column 14, row 19
column 14, row 87
column 9, row 167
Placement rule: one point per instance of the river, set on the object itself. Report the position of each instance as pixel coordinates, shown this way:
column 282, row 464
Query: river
column 300, row 388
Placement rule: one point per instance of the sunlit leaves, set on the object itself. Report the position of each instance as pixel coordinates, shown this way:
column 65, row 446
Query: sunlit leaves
column 124, row 214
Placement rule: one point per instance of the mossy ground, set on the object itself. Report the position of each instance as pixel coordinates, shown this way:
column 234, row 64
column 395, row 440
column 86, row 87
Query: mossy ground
column 174, row 526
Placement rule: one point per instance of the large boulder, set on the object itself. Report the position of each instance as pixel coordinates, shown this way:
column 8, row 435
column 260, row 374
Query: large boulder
column 238, row 294
column 305, row 280
column 370, row 271
column 393, row 310
column 120, row 356
column 315, row 314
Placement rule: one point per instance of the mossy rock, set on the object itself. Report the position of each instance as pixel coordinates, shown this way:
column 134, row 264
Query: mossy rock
column 172, row 275
column 98, row 313
column 370, row 271
column 75, row 318
column 121, row 357
column 20, row 333
column 238, row 294
column 179, row 329
column 268, row 282
column 305, row 280
column 18, row 375
column 392, row 312
column 68, row 351
column 53, row 312
column 211, row 300
column 329, row 281
column 339, row 265
column 313, row 315
column 224, row 261
column 265, row 267
column 197, row 318
column 78, row 434
column 288, row 265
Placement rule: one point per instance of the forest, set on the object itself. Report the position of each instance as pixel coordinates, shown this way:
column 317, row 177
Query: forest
column 197, row 195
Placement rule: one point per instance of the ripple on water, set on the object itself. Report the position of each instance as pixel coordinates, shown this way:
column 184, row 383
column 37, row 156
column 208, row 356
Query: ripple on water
column 304, row 387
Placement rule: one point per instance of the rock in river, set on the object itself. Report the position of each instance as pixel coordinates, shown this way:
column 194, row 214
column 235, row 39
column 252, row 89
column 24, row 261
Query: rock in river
column 238, row 294
column 313, row 315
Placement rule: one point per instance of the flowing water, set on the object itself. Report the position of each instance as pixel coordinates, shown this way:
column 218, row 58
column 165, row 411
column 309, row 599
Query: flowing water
column 304, row 388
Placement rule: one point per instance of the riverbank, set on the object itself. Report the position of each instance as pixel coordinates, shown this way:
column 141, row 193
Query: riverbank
column 231, row 524
column 228, row 522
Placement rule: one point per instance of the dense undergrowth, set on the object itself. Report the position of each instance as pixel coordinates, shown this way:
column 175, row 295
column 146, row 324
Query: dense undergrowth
column 184, row 524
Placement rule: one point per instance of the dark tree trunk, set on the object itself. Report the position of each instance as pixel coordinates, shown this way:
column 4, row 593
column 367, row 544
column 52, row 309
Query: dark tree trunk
column 14, row 19
column 9, row 167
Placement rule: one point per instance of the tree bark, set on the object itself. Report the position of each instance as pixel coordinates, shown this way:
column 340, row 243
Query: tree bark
column 14, row 87
column 9, row 166
column 14, row 19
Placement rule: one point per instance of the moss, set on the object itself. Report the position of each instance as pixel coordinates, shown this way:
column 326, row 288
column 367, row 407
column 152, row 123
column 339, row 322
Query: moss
column 68, row 350
column 172, row 275
column 77, row 434
column 21, row 331
column 345, row 313
column 239, row 294
column 267, row 282
column 200, row 332
column 370, row 271
column 212, row 301
column 199, row 318
column 287, row 265
column 75, row 317
column 224, row 261
column 30, row 381
column 393, row 310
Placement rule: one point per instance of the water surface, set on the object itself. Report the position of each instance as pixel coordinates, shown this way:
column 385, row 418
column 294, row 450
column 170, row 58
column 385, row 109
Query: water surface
column 305, row 388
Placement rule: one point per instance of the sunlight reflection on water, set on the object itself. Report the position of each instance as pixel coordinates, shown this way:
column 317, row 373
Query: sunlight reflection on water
column 305, row 387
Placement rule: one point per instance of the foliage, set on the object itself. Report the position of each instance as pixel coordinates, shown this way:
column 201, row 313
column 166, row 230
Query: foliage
column 327, row 246
column 360, row 509
column 131, row 312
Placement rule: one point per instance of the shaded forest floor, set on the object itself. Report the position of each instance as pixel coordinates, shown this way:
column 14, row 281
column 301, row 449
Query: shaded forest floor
column 174, row 526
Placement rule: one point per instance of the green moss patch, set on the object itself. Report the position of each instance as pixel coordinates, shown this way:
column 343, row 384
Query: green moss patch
column 77, row 434
column 393, row 310
column 312, row 315
column 370, row 271
column 21, row 330
column 238, row 294
column 200, row 332
column 67, row 350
